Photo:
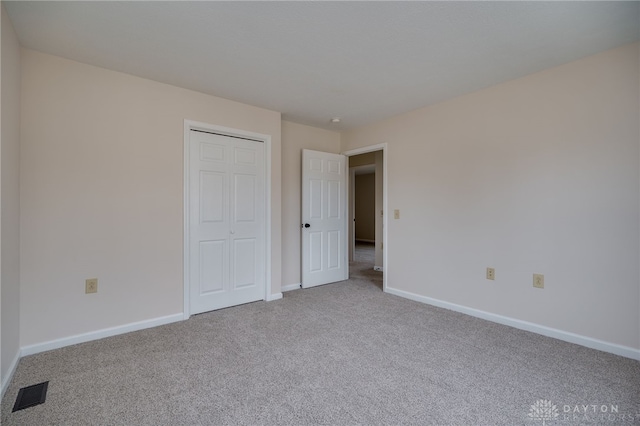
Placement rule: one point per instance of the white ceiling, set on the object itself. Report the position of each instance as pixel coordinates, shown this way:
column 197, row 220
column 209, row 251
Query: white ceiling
column 362, row 61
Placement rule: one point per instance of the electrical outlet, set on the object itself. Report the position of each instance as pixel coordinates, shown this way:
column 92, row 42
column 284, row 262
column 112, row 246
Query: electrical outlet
column 396, row 214
column 538, row 280
column 491, row 274
column 91, row 285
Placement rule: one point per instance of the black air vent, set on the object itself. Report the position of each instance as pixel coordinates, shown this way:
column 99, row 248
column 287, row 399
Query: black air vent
column 30, row 396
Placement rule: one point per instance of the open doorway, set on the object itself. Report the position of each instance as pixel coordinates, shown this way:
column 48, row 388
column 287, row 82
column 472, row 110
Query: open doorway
column 366, row 214
column 328, row 240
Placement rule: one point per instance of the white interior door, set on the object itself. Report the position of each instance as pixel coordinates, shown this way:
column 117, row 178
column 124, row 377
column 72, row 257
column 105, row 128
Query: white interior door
column 227, row 221
column 324, row 218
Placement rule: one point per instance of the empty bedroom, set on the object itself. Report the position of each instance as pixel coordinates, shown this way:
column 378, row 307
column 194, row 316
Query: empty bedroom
column 320, row 213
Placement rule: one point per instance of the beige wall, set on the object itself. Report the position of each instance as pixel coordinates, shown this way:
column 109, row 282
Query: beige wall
column 102, row 194
column 10, row 199
column 536, row 175
column 365, row 204
column 295, row 138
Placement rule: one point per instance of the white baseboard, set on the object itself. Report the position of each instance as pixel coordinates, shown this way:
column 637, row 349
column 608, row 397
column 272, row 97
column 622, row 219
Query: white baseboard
column 112, row 331
column 378, row 268
column 275, row 296
column 99, row 334
column 578, row 339
column 12, row 370
column 291, row 287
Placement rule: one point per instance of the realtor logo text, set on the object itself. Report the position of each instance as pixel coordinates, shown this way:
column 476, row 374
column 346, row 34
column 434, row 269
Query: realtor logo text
column 591, row 408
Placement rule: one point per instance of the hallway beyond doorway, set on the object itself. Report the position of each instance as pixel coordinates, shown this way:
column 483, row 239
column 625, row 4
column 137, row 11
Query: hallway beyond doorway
column 363, row 263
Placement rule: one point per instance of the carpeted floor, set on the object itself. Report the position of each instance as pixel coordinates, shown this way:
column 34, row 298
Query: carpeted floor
column 364, row 253
column 339, row 354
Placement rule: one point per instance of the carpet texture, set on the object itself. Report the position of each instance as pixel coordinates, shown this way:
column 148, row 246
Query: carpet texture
column 340, row 354
column 364, row 253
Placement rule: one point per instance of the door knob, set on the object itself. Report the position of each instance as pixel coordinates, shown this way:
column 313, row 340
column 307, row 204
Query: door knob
column 306, row 225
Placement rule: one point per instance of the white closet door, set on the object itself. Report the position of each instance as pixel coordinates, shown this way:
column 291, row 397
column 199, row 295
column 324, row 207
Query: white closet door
column 227, row 221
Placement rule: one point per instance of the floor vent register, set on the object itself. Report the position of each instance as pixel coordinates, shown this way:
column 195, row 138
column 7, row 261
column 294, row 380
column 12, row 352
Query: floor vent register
column 31, row 396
